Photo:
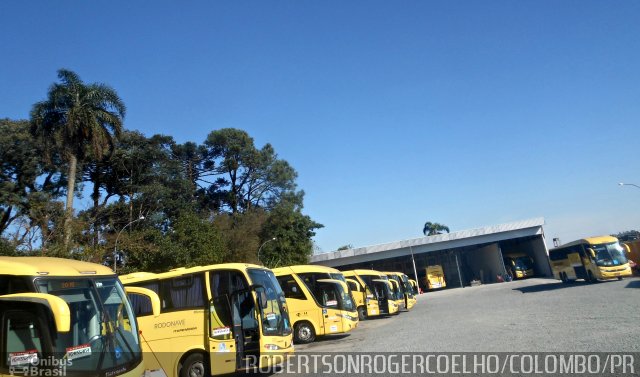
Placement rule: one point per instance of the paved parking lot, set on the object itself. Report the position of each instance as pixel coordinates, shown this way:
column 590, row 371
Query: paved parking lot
column 534, row 315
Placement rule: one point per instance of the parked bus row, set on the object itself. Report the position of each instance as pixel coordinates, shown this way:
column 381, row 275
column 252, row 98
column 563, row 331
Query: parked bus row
column 73, row 317
column 212, row 320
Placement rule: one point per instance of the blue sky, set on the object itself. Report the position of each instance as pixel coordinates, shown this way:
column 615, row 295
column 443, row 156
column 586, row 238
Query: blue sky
column 465, row 113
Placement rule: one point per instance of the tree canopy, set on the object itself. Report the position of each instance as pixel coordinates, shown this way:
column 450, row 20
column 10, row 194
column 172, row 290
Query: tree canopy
column 431, row 229
column 165, row 204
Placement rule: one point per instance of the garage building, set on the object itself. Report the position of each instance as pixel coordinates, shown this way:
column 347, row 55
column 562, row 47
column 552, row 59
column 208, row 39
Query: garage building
column 466, row 256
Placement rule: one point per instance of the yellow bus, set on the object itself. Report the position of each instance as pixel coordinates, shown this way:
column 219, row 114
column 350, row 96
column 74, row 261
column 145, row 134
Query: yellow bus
column 372, row 292
column 518, row 265
column 435, row 277
column 318, row 300
column 590, row 259
column 213, row 319
column 407, row 295
column 65, row 317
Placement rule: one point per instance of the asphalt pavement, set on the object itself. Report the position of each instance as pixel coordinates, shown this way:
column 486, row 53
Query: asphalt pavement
column 533, row 315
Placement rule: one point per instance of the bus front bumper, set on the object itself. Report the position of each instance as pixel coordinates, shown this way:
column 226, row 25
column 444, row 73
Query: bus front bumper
column 612, row 273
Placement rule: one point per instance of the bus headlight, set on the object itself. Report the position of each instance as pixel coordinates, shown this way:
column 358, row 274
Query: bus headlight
column 271, row 347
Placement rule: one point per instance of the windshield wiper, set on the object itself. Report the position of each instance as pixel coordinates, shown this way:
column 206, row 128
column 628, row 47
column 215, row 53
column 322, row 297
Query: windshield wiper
column 108, row 329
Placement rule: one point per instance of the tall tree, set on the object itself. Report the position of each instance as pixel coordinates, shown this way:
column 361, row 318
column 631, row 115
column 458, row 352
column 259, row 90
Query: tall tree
column 74, row 119
column 431, row 229
column 244, row 176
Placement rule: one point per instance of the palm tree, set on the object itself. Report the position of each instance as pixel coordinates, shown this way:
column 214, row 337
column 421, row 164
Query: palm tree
column 77, row 119
column 431, row 229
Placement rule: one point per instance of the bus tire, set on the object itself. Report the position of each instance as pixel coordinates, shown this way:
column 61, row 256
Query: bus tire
column 563, row 277
column 362, row 313
column 619, row 277
column 194, row 366
column 304, row 333
column 591, row 279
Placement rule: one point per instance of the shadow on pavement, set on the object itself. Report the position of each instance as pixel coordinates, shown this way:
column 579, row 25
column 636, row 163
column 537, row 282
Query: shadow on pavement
column 553, row 286
column 325, row 338
column 633, row 284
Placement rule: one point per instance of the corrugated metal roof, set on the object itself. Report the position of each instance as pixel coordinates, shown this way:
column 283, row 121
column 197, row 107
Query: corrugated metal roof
column 421, row 242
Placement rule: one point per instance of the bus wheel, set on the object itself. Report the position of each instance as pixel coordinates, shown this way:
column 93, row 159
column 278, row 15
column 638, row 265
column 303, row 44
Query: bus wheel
column 362, row 313
column 193, row 366
column 304, row 333
column 619, row 277
column 563, row 277
column 592, row 279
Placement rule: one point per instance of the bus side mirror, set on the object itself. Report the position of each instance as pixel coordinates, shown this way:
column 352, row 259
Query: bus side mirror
column 56, row 306
column 591, row 252
column 149, row 295
column 355, row 284
column 626, row 248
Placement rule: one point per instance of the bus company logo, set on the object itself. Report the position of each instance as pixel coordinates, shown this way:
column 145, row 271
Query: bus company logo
column 164, row 325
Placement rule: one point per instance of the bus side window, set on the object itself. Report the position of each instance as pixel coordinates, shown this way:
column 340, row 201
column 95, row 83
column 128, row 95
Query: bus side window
column 352, row 286
column 140, row 304
column 12, row 284
column 185, row 292
column 22, row 338
column 291, row 288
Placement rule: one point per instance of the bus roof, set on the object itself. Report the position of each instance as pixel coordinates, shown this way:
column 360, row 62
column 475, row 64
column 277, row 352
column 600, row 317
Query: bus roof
column 363, row 272
column 47, row 266
column 589, row 240
column 144, row 276
column 394, row 273
column 303, row 268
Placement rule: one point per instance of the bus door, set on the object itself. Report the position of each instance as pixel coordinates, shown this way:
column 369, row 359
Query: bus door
column 328, row 296
column 224, row 351
column 577, row 260
column 382, row 294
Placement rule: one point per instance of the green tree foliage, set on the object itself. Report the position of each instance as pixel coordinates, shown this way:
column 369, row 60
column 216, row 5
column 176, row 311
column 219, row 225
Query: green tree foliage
column 74, row 120
column 29, row 186
column 293, row 232
column 431, row 229
column 19, row 164
column 244, row 176
column 202, row 203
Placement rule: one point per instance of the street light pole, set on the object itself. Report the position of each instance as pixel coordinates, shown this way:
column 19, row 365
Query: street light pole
column 264, row 243
column 115, row 247
column 628, row 184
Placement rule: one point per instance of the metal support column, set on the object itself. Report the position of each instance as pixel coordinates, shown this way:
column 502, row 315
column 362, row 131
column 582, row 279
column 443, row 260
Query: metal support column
column 459, row 274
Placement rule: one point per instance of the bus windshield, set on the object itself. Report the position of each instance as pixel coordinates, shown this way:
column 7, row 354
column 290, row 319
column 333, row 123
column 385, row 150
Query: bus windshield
column 332, row 295
column 103, row 333
column 376, row 288
column 397, row 288
column 312, row 281
column 408, row 287
column 611, row 254
column 275, row 319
